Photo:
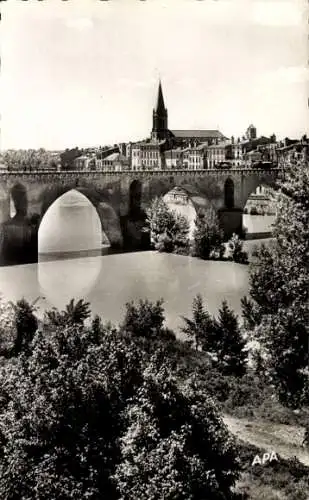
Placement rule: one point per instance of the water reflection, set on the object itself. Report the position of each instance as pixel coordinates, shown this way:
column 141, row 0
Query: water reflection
column 63, row 280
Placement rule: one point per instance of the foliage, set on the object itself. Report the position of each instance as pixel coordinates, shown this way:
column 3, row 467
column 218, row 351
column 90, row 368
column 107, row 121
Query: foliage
column 286, row 479
column 146, row 320
column 168, row 229
column 18, row 326
column 60, row 417
column 26, row 325
column 220, row 337
column 229, row 345
column 7, row 326
column 175, row 439
column 207, row 237
column 200, row 328
column 29, row 159
column 279, row 293
column 73, row 314
column 83, row 416
column 68, row 156
column 235, row 250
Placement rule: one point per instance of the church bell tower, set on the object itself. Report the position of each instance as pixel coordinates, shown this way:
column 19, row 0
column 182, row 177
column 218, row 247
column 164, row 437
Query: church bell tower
column 159, row 118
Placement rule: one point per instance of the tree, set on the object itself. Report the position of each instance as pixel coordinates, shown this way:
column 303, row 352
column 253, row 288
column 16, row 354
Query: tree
column 228, row 343
column 29, row 159
column 146, row 320
column 207, row 236
column 73, row 314
column 86, row 419
column 236, row 252
column 26, row 325
column 68, row 156
column 201, row 327
column 18, row 326
column 168, row 229
column 279, row 291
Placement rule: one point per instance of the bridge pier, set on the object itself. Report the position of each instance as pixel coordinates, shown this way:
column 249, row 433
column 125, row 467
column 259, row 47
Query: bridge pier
column 231, row 221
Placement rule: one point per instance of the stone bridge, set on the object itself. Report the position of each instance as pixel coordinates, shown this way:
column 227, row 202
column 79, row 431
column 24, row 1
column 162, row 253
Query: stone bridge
column 120, row 199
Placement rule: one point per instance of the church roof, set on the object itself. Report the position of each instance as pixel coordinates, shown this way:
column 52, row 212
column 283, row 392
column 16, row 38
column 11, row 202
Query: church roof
column 198, row 133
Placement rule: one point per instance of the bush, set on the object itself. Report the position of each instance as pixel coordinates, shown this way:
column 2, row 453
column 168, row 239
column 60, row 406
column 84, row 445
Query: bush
column 235, row 250
column 253, row 211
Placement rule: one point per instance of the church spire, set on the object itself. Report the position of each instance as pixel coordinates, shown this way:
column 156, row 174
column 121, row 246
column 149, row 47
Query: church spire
column 160, row 107
column 159, row 117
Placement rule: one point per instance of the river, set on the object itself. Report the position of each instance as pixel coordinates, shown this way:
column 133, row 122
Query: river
column 109, row 281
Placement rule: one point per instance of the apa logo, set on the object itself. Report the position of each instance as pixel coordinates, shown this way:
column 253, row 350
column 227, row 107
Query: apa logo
column 267, row 457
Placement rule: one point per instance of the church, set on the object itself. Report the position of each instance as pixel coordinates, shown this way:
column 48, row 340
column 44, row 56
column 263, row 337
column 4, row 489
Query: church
column 164, row 143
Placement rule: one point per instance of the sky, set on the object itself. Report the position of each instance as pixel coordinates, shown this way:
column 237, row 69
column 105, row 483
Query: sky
column 85, row 72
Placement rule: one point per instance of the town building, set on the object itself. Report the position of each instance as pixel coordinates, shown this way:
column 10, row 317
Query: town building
column 195, row 157
column 148, row 155
column 84, row 162
column 291, row 151
column 217, row 154
column 174, row 158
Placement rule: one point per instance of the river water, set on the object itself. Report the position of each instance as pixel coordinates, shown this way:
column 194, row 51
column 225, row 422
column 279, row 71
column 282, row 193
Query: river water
column 109, row 281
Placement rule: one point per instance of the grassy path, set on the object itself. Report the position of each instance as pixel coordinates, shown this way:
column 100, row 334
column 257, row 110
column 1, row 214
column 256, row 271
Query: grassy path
column 285, row 440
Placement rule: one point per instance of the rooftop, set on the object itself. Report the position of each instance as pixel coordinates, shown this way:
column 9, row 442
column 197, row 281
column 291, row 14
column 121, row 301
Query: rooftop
column 198, row 133
column 220, row 145
column 149, row 143
column 112, row 157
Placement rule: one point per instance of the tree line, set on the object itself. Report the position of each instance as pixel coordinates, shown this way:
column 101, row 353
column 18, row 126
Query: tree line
column 169, row 232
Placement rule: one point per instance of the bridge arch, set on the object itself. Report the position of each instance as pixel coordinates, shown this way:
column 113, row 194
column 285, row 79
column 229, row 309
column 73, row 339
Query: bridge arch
column 109, row 220
column 259, row 212
column 255, row 180
column 187, row 200
column 70, row 224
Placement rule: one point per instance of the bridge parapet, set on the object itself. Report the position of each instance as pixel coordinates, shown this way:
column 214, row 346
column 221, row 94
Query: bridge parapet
column 138, row 173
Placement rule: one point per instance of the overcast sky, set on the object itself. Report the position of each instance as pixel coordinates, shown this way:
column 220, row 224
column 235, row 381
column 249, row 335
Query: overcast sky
column 85, row 72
